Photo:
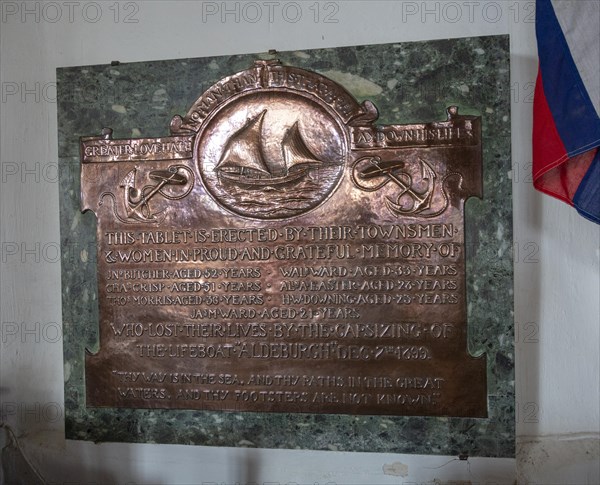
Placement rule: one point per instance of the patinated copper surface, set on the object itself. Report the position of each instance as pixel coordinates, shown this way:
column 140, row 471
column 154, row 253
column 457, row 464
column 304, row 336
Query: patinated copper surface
column 279, row 251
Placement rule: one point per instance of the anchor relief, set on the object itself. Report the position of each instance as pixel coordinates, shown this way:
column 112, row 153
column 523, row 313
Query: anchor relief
column 137, row 200
column 419, row 194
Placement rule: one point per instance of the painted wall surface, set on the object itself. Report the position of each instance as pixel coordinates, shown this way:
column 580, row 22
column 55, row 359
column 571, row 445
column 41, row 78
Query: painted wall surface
column 556, row 251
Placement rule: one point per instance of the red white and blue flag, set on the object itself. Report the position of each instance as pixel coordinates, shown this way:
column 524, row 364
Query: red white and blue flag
column 566, row 121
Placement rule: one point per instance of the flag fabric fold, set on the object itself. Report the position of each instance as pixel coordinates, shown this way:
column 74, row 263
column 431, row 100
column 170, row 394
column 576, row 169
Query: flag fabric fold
column 566, row 118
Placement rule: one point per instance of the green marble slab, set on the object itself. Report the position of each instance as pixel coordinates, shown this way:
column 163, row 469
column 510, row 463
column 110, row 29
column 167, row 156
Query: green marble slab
column 408, row 82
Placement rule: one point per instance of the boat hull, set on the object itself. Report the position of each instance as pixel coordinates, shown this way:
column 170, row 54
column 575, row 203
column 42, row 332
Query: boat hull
column 252, row 182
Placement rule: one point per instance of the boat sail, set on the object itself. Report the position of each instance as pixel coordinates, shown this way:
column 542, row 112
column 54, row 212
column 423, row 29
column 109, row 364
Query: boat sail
column 296, row 155
column 243, row 160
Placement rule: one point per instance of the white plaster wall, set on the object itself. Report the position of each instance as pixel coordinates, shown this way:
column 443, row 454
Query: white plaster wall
column 556, row 251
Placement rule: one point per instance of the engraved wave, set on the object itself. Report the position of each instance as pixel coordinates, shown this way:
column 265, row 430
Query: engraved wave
column 283, row 201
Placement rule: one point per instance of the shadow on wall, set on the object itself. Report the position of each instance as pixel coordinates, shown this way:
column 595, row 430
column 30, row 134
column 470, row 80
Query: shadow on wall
column 14, row 467
column 248, row 470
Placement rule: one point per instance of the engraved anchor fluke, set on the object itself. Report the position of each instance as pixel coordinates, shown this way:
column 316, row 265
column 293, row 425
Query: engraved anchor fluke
column 417, row 201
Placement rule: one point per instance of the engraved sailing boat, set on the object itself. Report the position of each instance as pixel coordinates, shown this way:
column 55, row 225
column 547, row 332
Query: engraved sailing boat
column 243, row 160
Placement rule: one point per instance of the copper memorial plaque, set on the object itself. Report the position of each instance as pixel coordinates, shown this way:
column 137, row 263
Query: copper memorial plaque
column 280, row 251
